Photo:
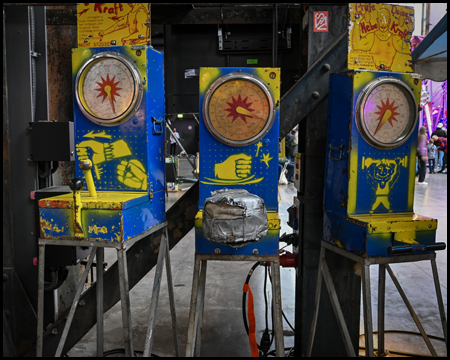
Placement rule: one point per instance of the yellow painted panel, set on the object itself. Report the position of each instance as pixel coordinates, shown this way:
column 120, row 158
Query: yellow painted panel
column 99, row 24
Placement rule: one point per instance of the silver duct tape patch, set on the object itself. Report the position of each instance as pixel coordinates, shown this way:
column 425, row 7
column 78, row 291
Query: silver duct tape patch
column 234, row 217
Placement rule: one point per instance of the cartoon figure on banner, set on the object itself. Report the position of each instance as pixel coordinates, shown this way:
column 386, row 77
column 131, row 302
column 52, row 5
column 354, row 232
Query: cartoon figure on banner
column 380, row 32
column 384, row 174
column 99, row 24
column 134, row 21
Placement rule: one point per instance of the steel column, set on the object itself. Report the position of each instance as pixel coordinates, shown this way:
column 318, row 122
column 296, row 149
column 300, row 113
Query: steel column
column 125, row 301
column 381, row 304
column 367, row 309
column 172, row 297
column 439, row 297
column 99, row 260
column 155, row 298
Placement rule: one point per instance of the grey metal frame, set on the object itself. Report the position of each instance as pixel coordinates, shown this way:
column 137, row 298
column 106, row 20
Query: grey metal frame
column 98, row 249
column 383, row 263
column 193, row 344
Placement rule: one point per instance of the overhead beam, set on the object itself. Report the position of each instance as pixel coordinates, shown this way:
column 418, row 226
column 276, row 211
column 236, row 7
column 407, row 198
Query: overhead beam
column 312, row 88
column 189, row 14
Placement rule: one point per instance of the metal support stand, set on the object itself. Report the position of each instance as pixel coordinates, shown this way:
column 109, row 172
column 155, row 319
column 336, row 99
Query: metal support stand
column 383, row 263
column 198, row 299
column 98, row 250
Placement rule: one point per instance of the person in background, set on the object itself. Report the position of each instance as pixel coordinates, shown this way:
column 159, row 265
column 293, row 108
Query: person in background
column 289, row 169
column 441, row 144
column 173, row 143
column 422, row 154
column 288, row 145
column 431, row 156
column 439, row 132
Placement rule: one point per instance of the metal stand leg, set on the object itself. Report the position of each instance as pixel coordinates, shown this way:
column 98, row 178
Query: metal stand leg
column 100, row 259
column 125, row 301
column 411, row 311
column 337, row 310
column 367, row 308
column 75, row 303
column 172, row 298
column 201, row 306
column 439, row 298
column 155, row 297
column 190, row 344
column 278, row 323
column 40, row 315
column 381, row 304
column 316, row 303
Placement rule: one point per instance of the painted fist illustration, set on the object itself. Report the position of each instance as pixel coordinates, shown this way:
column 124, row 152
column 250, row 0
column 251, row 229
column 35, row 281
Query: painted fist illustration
column 132, row 174
column 236, row 167
column 96, row 150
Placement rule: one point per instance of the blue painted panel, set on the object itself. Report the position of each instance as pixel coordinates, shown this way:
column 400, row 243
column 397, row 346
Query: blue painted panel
column 337, row 160
column 132, row 147
column 213, row 152
column 268, row 245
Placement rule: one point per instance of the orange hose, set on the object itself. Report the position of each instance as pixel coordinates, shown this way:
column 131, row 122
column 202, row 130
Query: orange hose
column 251, row 322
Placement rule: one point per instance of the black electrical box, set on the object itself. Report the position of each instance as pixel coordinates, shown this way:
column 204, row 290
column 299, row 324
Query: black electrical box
column 52, row 141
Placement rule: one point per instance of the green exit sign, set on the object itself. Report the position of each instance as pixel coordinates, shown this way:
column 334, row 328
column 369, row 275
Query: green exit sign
column 252, row 61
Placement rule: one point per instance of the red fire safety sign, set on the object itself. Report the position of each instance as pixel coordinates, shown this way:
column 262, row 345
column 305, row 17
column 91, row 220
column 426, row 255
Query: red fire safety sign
column 320, row 21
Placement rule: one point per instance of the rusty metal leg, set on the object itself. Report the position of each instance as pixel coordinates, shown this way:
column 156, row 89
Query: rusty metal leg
column 278, row 321
column 337, row 310
column 155, row 298
column 200, row 308
column 439, row 298
column 381, row 305
column 411, row 311
column 171, row 297
column 125, row 301
column 99, row 259
column 75, row 303
column 316, row 303
column 40, row 314
column 367, row 309
column 192, row 328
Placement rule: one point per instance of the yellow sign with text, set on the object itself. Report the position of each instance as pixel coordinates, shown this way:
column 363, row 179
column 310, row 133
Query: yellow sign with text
column 379, row 37
column 112, row 24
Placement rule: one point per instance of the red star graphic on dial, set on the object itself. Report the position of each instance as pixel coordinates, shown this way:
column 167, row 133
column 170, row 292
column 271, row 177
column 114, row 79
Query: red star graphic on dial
column 108, row 89
column 239, row 108
column 387, row 113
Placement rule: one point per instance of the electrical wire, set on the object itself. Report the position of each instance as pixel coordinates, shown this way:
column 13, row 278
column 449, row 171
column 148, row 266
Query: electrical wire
column 282, row 312
column 265, row 297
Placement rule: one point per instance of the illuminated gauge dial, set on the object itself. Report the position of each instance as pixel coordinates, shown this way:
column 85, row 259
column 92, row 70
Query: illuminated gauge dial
column 108, row 88
column 386, row 113
column 239, row 109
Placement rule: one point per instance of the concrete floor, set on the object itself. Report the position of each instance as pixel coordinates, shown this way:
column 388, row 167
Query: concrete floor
column 223, row 330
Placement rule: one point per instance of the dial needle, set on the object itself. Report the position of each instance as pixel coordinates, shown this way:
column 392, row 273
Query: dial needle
column 108, row 92
column 383, row 120
column 242, row 111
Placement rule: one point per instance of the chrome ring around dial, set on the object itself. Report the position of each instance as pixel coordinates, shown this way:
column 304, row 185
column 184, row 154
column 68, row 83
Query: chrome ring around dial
column 386, row 113
column 108, row 88
column 239, row 109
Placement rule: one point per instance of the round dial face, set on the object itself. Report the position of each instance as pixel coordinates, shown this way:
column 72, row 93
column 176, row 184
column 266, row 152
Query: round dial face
column 386, row 113
column 108, row 89
column 239, row 109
